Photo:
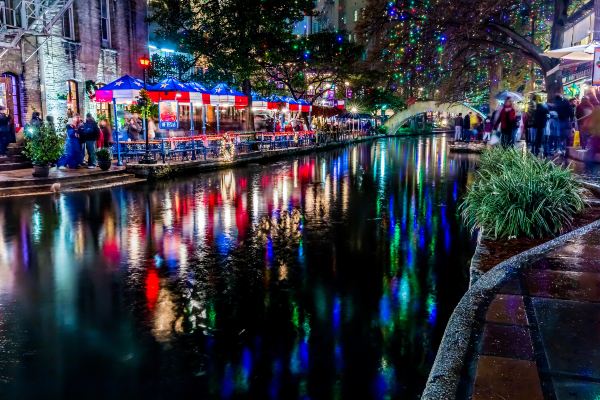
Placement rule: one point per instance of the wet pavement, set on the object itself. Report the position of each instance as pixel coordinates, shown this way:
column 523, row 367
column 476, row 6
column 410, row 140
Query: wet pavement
column 541, row 331
column 323, row 276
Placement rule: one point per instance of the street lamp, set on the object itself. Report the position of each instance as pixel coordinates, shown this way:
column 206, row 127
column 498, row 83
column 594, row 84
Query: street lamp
column 144, row 62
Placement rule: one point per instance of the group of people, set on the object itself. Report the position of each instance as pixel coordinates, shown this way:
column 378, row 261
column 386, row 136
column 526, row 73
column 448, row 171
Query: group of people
column 468, row 128
column 546, row 127
column 83, row 139
column 7, row 130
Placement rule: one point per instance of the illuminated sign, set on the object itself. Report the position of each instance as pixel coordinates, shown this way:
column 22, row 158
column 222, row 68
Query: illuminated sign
column 168, row 115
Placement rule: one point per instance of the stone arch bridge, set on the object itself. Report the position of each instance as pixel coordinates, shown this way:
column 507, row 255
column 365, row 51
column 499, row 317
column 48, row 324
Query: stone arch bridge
column 421, row 107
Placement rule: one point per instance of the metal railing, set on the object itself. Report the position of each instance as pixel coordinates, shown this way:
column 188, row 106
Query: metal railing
column 224, row 147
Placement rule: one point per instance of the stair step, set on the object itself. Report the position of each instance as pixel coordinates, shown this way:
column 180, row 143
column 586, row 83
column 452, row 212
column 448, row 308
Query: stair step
column 45, row 189
column 106, row 185
column 97, row 182
column 11, row 166
column 63, row 180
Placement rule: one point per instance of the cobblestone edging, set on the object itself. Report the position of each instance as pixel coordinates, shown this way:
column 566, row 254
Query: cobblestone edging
column 163, row 171
column 445, row 375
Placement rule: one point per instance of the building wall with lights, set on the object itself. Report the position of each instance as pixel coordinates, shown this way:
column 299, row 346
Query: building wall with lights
column 92, row 43
column 332, row 15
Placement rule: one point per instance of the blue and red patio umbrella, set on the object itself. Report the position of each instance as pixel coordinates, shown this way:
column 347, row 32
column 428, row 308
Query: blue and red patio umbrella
column 123, row 90
column 223, row 95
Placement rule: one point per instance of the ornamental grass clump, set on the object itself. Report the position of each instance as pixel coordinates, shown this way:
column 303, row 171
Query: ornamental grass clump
column 519, row 195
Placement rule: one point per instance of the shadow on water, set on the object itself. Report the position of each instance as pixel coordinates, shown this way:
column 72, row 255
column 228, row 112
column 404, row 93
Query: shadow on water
column 326, row 276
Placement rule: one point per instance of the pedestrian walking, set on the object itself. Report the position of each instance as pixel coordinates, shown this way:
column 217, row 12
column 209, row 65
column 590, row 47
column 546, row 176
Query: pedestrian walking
column 90, row 132
column 566, row 116
column 507, row 122
column 134, row 127
column 458, row 122
column 540, row 120
column 487, row 129
column 553, row 133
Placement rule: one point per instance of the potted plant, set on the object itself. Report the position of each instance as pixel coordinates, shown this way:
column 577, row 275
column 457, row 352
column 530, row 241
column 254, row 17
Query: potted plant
column 104, row 159
column 43, row 146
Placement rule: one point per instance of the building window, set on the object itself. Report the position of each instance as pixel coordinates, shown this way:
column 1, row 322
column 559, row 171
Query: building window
column 68, row 25
column 102, row 109
column 105, row 22
column 9, row 15
column 9, row 96
column 72, row 99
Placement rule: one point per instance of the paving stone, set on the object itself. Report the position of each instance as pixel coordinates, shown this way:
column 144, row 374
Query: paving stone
column 580, row 286
column 568, row 389
column 499, row 378
column 563, row 263
column 507, row 309
column 509, row 341
column 570, row 333
column 513, row 286
column 583, row 249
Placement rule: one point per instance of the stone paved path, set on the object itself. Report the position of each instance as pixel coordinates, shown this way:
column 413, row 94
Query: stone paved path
column 541, row 332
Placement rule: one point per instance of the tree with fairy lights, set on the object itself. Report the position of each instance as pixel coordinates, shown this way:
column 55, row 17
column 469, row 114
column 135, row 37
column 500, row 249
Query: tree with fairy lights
column 447, row 49
column 314, row 64
column 231, row 37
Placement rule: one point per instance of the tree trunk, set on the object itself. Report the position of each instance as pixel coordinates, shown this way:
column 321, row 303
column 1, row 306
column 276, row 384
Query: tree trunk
column 247, row 89
column 553, row 82
column 554, row 86
column 495, row 81
column 559, row 20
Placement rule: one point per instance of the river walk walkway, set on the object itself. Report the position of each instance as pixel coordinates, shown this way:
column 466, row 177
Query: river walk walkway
column 540, row 333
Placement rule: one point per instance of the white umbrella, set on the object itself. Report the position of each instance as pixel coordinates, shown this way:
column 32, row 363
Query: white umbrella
column 502, row 96
column 584, row 52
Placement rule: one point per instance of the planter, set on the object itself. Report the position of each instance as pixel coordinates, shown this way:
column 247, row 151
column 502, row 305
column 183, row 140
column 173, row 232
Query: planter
column 41, row 171
column 104, row 164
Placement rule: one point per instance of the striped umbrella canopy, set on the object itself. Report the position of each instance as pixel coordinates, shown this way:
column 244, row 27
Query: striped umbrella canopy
column 305, row 106
column 226, row 96
column 170, row 89
column 259, row 102
column 200, row 93
column 292, row 104
column 123, row 90
column 274, row 102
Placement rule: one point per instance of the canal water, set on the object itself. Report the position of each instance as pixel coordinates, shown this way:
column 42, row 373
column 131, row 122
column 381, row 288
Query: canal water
column 325, row 276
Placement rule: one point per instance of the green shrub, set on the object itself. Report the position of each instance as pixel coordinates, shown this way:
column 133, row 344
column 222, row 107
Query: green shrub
column 43, row 145
column 382, row 130
column 103, row 155
column 518, row 195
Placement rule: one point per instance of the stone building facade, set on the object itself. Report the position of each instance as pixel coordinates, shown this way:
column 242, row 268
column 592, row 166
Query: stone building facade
column 90, row 43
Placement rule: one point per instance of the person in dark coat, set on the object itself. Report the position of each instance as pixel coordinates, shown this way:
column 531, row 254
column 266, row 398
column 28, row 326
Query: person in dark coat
column 540, row 119
column 4, row 130
column 89, row 133
column 507, row 122
column 73, row 157
column 566, row 116
column 467, row 128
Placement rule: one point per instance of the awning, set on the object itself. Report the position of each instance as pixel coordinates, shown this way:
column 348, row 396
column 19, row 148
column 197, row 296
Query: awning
column 577, row 53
